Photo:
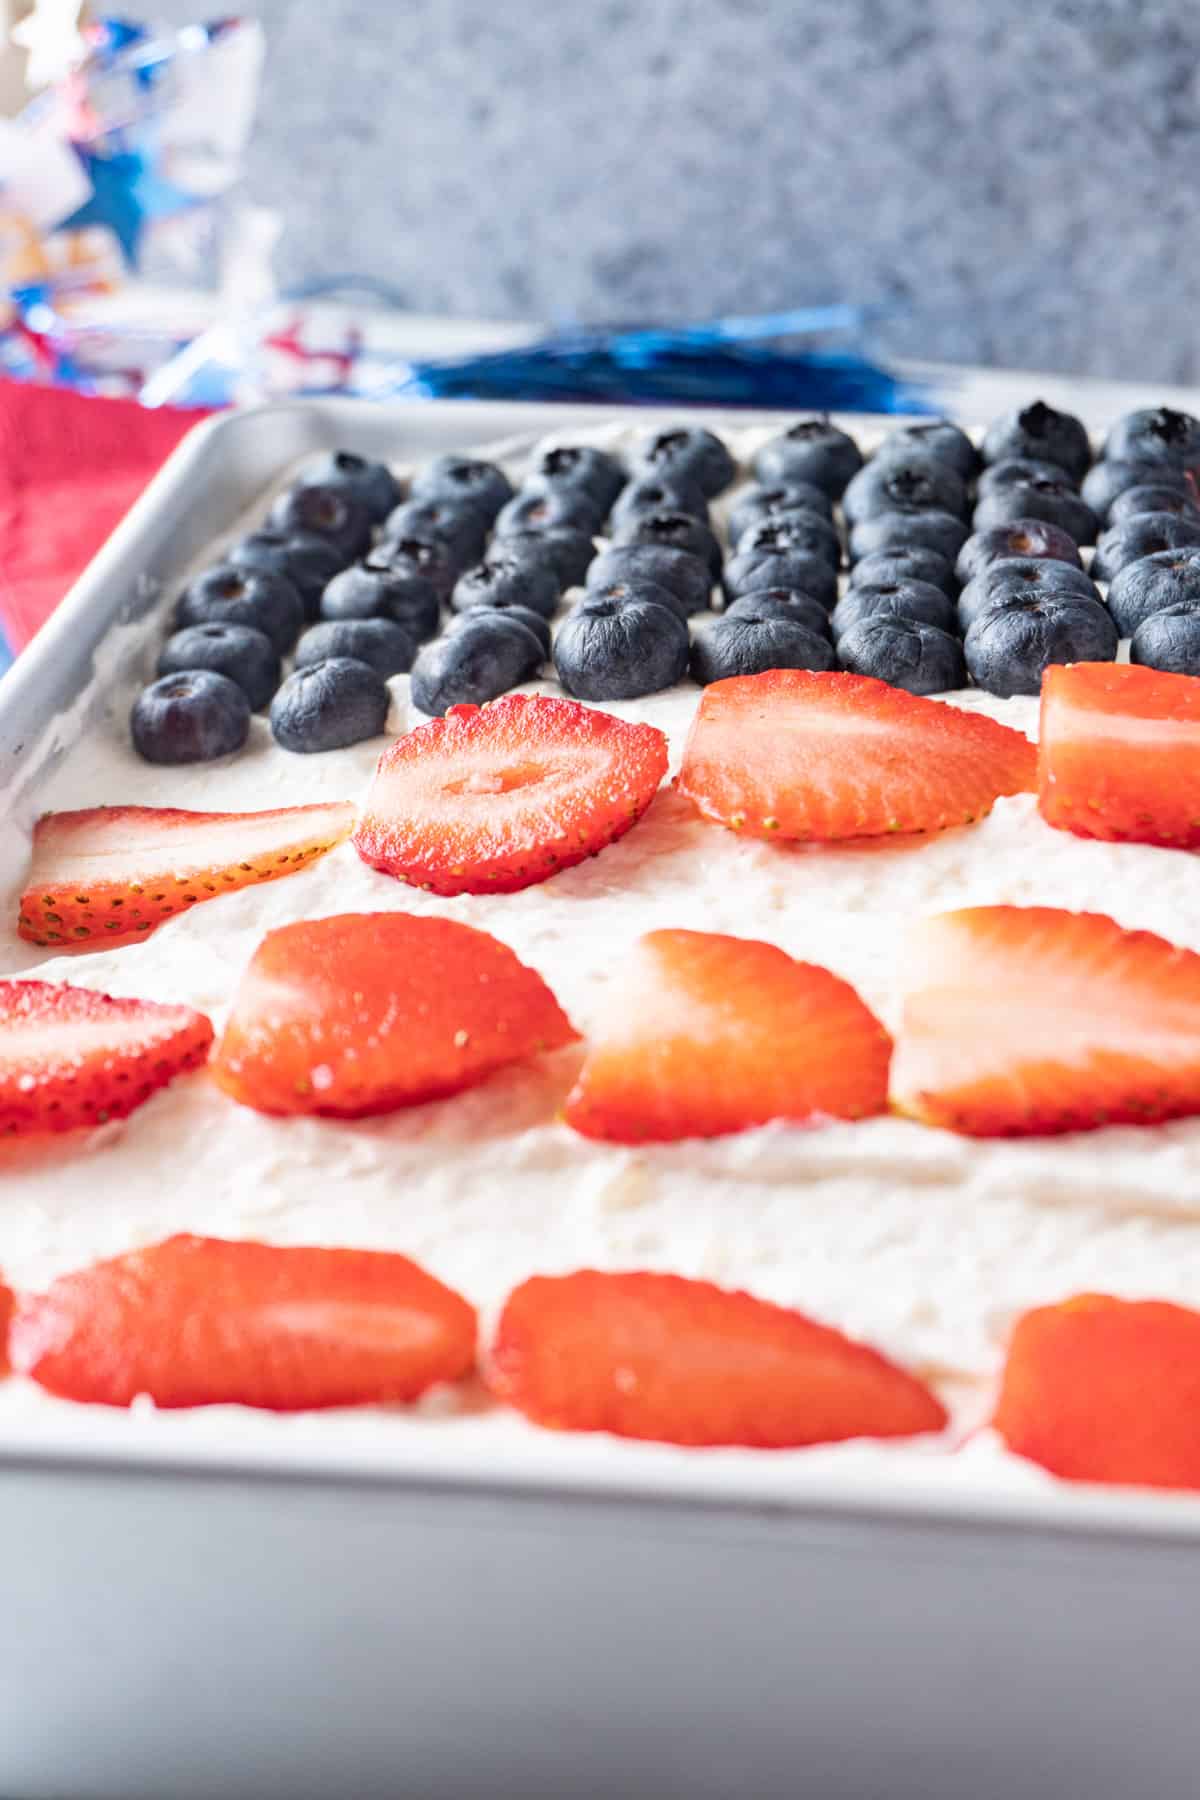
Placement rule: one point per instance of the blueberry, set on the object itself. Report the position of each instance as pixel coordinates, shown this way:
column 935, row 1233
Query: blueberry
column 1011, row 645
column 1107, row 480
column 1038, row 431
column 652, row 493
column 685, row 576
column 1144, row 535
column 810, row 450
column 1022, row 578
column 749, row 643
column 542, row 508
column 1152, row 496
column 371, row 483
column 690, row 452
column 934, row 437
column 239, row 652
column 1169, row 640
column 567, row 551
column 377, row 589
column 507, row 581
column 677, row 530
column 582, row 468
column 381, row 643
column 782, row 603
column 327, row 512
column 910, row 562
column 485, row 655
column 1022, row 538
column 1018, row 471
column 466, row 480
column 452, row 522
column 192, row 716
column 615, row 650
column 786, row 496
column 794, row 531
column 941, row 531
column 777, row 566
column 919, row 601
column 1156, row 435
column 913, row 483
column 227, row 595
column 430, row 557
column 1058, row 502
column 535, row 622
column 906, row 653
column 308, row 562
column 327, row 705
column 633, row 589
column 1142, row 588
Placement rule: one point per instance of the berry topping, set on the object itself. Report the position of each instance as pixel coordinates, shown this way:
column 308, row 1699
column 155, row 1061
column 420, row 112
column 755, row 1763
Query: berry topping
column 1107, row 481
column 1119, row 754
column 488, row 800
column 197, row 1321
column 583, row 468
column 327, row 705
column 757, row 503
column 690, row 453
column 382, row 644
column 686, row 577
column 940, row 438
column 915, row 482
column 231, row 595
column 685, row 1362
column 308, row 562
column 490, row 610
column 782, row 603
column 368, row 1012
column 236, row 651
column 1022, row 539
column 1097, row 1389
column 909, row 562
column 194, row 716
column 1027, row 1021
column 676, row 530
column 542, row 507
column 508, row 581
column 1011, row 645
column 780, row 565
column 489, row 653
column 906, row 653
column 1148, row 586
column 1022, row 578
column 708, row 1035
column 796, row 755
column 372, row 484
column 625, row 641
column 430, row 557
column 1019, row 471
column 328, row 510
column 455, row 523
column 1052, row 498
column 810, row 450
column 942, row 532
column 1146, row 534
column 71, row 1057
column 564, row 550
column 112, row 872
column 1152, row 497
column 1156, row 435
column 1169, row 640
column 658, row 493
column 1039, row 431
column 464, row 478
column 378, row 589
column 749, row 641
column 919, row 601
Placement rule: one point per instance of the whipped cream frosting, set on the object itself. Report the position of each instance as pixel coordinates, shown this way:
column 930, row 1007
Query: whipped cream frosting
column 920, row 1242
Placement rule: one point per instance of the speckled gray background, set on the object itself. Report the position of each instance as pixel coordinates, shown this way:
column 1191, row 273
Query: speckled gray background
column 1024, row 181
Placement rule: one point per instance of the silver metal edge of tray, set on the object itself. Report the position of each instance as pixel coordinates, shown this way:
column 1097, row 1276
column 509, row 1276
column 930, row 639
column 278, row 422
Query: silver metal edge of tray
column 219, row 1625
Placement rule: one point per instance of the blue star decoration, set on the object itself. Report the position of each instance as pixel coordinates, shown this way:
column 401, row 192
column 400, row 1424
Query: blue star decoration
column 127, row 193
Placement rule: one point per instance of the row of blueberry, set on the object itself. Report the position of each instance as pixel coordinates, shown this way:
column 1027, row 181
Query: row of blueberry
column 1025, row 599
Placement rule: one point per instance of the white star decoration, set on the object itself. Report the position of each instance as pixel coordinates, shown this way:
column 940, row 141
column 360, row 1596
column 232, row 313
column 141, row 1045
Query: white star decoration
column 52, row 37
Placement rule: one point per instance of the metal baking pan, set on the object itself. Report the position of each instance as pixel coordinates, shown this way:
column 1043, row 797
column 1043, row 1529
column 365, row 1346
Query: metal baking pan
column 302, row 1617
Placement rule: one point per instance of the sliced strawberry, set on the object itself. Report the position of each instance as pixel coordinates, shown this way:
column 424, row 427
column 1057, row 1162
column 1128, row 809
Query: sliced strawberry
column 112, row 872
column 711, row 1034
column 792, row 754
column 491, row 799
column 1028, row 1020
column 367, row 1012
column 70, row 1056
column 657, row 1356
column 1098, row 1389
column 198, row 1321
column 1119, row 753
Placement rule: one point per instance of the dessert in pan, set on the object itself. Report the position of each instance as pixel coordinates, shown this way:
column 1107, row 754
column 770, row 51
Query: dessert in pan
column 541, row 923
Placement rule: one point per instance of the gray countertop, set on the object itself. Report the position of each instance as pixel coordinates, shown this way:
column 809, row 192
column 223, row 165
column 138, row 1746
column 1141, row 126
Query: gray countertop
column 1022, row 182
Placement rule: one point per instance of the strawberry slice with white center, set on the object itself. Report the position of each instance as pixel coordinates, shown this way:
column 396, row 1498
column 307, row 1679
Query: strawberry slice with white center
column 491, row 799
column 794, row 754
column 1119, row 753
column 198, row 1321
column 70, row 1056
column 113, row 872
column 1026, row 1021
column 711, row 1034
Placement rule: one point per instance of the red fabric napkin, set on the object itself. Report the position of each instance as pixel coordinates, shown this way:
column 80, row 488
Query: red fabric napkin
column 71, row 466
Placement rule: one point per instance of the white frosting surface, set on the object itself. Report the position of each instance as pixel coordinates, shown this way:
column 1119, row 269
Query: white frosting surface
column 918, row 1241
